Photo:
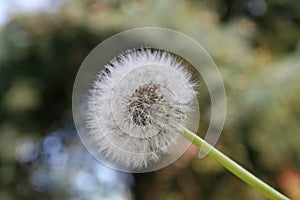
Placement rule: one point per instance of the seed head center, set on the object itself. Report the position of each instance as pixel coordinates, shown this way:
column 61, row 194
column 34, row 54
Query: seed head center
column 141, row 102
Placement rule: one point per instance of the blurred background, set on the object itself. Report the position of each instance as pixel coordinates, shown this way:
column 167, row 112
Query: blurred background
column 255, row 44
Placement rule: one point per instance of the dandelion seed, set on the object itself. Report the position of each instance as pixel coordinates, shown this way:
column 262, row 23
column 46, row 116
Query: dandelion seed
column 135, row 104
column 143, row 98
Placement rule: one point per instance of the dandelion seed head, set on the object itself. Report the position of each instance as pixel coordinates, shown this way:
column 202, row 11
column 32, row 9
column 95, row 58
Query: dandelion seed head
column 135, row 105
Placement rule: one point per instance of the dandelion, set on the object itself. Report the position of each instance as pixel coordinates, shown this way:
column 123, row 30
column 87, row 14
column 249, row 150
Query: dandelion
column 138, row 110
column 135, row 105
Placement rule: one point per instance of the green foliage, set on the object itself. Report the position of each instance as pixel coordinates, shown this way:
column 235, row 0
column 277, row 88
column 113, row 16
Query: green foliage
column 257, row 56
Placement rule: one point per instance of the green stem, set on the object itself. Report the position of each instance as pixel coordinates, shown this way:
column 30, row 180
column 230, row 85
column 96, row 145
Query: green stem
column 232, row 166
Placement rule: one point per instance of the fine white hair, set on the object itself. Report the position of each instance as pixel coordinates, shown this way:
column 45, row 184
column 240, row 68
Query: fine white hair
column 135, row 104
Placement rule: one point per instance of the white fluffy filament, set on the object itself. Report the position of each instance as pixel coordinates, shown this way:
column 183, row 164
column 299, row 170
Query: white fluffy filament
column 134, row 104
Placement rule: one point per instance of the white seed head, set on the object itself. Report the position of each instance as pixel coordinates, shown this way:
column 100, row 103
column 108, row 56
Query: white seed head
column 135, row 105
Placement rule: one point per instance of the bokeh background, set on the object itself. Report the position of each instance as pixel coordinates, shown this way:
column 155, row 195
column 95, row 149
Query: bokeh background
column 255, row 44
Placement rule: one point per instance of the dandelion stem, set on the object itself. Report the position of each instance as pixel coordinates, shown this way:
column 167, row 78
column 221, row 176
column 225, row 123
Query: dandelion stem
column 232, row 166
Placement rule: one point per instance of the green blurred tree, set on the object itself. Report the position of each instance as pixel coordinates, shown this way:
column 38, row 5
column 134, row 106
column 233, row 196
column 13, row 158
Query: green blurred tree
column 258, row 57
